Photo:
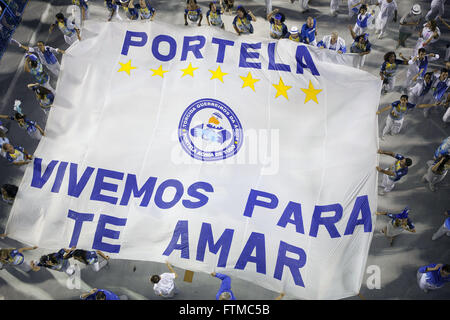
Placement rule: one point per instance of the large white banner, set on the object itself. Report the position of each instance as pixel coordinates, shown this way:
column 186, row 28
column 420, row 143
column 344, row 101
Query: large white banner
column 215, row 152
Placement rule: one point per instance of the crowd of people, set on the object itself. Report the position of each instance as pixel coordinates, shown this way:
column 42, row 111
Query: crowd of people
column 423, row 88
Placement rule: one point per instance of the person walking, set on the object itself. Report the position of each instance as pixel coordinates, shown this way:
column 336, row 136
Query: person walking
column 436, row 10
column 388, row 8
column 408, row 24
column 394, row 173
column 164, row 284
column 398, row 223
column 433, row 276
column 418, row 63
column 224, row 292
column 54, row 261
column 67, row 27
column 388, row 70
column 363, row 20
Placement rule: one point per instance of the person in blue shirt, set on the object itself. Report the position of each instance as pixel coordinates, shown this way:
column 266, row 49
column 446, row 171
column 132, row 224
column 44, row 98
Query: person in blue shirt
column 214, row 16
column 113, row 9
column 363, row 20
column 193, row 12
column 99, row 294
column 309, row 31
column 131, row 12
column 34, row 67
column 242, row 22
column 224, row 292
column 14, row 257
column 278, row 29
column 361, row 45
column 442, row 150
column 16, row 154
column 398, row 223
column 433, row 276
column 438, row 93
column 54, row 261
column 333, row 42
column 444, row 229
column 418, row 65
column 32, row 128
column 44, row 96
column 389, row 69
column 394, row 173
column 399, row 108
column 9, row 192
column 96, row 259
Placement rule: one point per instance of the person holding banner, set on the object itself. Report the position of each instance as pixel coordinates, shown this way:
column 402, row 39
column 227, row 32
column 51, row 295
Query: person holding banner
column 224, row 292
column 309, row 31
column 164, row 284
column 242, row 22
column 293, row 34
column 9, row 192
column 68, row 28
column 398, row 223
column 277, row 27
column 444, row 229
column 333, row 42
column 32, row 128
column 146, row 12
column 433, row 276
column 360, row 45
column 44, row 96
column 214, row 15
column 96, row 259
column 130, row 11
column 54, row 261
column 113, row 9
column 394, row 173
column 14, row 257
column 418, row 91
column 16, row 155
column 193, row 12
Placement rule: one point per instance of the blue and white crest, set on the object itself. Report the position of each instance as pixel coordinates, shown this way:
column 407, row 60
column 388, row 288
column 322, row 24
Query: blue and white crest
column 209, row 130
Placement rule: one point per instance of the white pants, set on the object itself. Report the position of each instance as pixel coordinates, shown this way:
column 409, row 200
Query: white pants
column 392, row 126
column 53, row 68
column 303, row 5
column 387, row 183
column 442, row 230
column 358, row 30
column 334, row 6
column 99, row 264
column 409, row 75
column 422, row 282
column 389, row 86
column 381, row 23
column 436, row 11
column 446, row 117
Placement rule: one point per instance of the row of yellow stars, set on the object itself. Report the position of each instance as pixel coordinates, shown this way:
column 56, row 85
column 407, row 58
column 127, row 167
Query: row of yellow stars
column 249, row 81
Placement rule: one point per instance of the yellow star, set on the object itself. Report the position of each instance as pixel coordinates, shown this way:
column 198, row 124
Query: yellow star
column 311, row 93
column 249, row 81
column 218, row 74
column 126, row 67
column 188, row 71
column 281, row 89
column 158, row 72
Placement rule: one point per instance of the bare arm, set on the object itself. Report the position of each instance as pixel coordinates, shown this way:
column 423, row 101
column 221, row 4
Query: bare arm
column 87, row 294
column 445, row 23
column 101, row 254
column 171, row 269
column 269, row 16
column 381, row 213
column 388, row 153
column 280, row 296
column 27, row 249
column 387, row 172
column 252, row 15
column 40, row 129
column 384, row 109
column 436, row 166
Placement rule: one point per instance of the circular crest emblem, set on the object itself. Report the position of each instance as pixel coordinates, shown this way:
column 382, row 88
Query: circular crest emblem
column 210, row 131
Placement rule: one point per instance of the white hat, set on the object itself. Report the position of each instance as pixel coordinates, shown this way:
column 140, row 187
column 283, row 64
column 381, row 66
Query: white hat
column 416, row 9
column 294, row 30
column 124, row 1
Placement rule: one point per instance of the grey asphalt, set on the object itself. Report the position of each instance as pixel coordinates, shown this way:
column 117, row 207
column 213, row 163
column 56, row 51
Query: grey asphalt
column 418, row 140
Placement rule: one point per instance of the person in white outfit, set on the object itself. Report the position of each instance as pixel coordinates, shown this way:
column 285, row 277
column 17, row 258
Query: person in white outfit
column 436, row 10
column 303, row 5
column 68, row 28
column 419, row 90
column 436, row 171
column 444, row 229
column 388, row 8
column 429, row 34
column 418, row 63
column 164, row 284
column 333, row 42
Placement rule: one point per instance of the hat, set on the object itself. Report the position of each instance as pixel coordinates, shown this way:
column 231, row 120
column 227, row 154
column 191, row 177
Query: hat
column 294, row 30
column 124, row 1
column 403, row 214
column 278, row 16
column 416, row 9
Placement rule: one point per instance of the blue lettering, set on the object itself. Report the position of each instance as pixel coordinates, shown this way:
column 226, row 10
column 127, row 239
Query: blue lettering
column 180, row 232
column 102, row 232
column 194, row 48
column 79, row 219
column 172, row 45
column 272, row 64
column 101, row 185
column 131, row 187
column 39, row 181
column 222, row 46
column 328, row 222
column 361, row 204
column 293, row 209
column 255, row 241
column 294, row 265
column 160, row 191
column 59, row 177
column 224, row 243
column 252, row 201
column 75, row 188
column 128, row 42
column 301, row 55
column 249, row 55
column 193, row 192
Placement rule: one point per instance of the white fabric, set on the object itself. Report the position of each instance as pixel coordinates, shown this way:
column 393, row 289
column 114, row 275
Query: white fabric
column 334, row 6
column 443, row 230
column 392, row 126
column 386, row 183
column 302, row 158
column 166, row 285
